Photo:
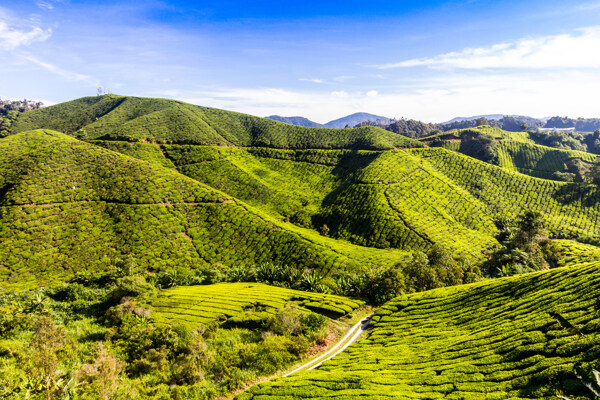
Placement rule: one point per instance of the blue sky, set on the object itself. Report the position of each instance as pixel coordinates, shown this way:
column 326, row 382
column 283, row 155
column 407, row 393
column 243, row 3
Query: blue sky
column 429, row 60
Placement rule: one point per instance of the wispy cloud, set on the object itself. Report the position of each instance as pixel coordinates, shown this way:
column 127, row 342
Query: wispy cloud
column 433, row 99
column 44, row 5
column 12, row 38
column 575, row 50
column 70, row 75
column 313, row 80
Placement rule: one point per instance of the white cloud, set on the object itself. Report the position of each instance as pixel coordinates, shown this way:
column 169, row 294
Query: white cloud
column 44, row 5
column 70, row 75
column 372, row 93
column 313, row 80
column 339, row 93
column 435, row 99
column 11, row 38
column 576, row 50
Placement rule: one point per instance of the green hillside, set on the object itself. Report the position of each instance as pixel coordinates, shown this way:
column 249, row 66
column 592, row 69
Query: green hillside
column 241, row 304
column 406, row 199
column 492, row 340
column 66, row 206
column 135, row 119
column 516, row 151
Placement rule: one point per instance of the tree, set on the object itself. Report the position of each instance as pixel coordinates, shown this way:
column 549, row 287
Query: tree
column 481, row 121
column 593, row 174
column 523, row 248
column 579, row 168
column 101, row 377
column 46, row 342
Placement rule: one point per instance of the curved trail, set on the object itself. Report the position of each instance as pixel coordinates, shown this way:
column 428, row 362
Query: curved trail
column 351, row 336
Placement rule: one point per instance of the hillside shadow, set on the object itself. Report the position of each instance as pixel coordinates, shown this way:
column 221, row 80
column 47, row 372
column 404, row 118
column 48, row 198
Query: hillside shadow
column 586, row 194
column 347, row 170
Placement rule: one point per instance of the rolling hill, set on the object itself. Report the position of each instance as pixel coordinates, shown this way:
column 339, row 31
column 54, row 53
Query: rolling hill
column 520, row 337
column 66, row 205
column 171, row 187
column 112, row 117
column 362, row 190
column 300, row 121
column 516, row 151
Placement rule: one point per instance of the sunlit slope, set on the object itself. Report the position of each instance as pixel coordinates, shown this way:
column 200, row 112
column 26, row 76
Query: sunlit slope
column 537, row 160
column 241, row 303
column 516, row 150
column 499, row 134
column 572, row 208
column 112, row 117
column 66, row 205
column 492, row 340
column 406, row 199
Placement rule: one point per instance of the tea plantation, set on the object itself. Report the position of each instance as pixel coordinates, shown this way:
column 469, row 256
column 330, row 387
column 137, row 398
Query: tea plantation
column 242, row 303
column 68, row 206
column 375, row 199
column 167, row 121
column 513, row 150
column 512, row 338
column 146, row 225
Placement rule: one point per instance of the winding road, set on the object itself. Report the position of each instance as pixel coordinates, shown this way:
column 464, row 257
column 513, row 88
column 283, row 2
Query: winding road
column 351, row 336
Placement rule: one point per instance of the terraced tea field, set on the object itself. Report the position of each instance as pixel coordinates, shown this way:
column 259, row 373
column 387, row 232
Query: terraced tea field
column 208, row 304
column 516, row 150
column 536, row 160
column 568, row 207
column 511, row 338
column 135, row 119
column 68, row 205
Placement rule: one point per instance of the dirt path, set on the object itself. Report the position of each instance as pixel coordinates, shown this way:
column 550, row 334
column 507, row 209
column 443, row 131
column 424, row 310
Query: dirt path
column 351, row 336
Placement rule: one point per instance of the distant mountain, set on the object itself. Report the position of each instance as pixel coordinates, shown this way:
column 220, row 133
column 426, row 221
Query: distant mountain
column 355, row 119
column 300, row 121
column 350, row 120
column 524, row 118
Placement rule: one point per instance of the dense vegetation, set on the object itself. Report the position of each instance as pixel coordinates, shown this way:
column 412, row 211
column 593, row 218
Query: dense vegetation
column 66, row 206
column 104, row 336
column 10, row 110
column 529, row 336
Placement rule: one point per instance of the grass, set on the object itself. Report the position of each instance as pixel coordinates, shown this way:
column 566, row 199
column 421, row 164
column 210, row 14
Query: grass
column 491, row 340
column 241, row 302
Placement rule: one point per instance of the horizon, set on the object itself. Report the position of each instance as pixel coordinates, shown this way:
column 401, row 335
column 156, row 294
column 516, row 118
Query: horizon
column 431, row 61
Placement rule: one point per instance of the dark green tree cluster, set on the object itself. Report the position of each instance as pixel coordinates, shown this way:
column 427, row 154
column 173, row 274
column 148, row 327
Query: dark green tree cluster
column 524, row 246
column 560, row 140
column 10, row 110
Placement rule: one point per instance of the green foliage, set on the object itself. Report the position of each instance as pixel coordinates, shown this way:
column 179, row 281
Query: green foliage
column 493, row 339
column 128, row 352
column 524, row 247
column 437, row 269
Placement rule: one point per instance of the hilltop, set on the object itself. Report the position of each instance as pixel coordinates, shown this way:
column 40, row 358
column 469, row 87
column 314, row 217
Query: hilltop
column 112, row 117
